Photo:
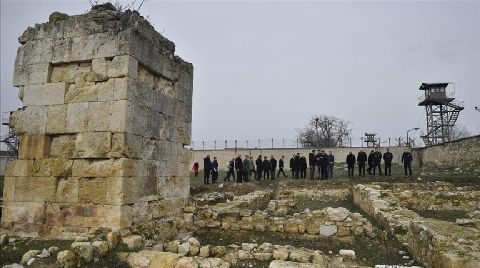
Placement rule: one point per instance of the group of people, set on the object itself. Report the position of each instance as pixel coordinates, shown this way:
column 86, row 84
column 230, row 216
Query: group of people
column 374, row 161
column 321, row 166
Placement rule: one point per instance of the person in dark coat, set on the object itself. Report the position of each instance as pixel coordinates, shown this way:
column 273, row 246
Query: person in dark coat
column 331, row 163
column 350, row 164
column 292, row 166
column 296, row 165
column 259, row 164
column 207, row 167
column 407, row 162
column 239, row 168
column 311, row 163
column 214, row 170
column 266, row 168
column 370, row 162
column 303, row 167
column 281, row 165
column 377, row 160
column 361, row 160
column 324, row 165
column 246, row 168
column 273, row 167
column 387, row 159
column 230, row 170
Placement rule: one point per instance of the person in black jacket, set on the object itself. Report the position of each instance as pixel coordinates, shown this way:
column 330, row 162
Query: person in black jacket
column 259, row 165
column 266, row 168
column 361, row 160
column 296, row 165
column 324, row 165
column 207, row 167
column 370, row 162
column 331, row 163
column 273, row 167
column 377, row 160
column 292, row 166
column 303, row 167
column 387, row 158
column 239, row 168
column 214, row 170
column 350, row 164
column 246, row 168
column 281, row 165
column 407, row 162
column 311, row 163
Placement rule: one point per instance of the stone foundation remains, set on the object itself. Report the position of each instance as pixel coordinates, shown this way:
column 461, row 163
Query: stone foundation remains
column 106, row 115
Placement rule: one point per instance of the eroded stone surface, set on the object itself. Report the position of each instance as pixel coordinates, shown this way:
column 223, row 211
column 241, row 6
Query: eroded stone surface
column 107, row 110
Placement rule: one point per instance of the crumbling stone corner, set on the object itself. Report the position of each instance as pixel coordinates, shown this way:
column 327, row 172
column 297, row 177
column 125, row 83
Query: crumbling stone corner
column 106, row 115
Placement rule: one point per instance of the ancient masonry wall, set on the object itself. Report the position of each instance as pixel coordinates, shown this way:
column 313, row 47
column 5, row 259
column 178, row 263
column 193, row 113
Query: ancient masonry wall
column 106, row 115
column 460, row 153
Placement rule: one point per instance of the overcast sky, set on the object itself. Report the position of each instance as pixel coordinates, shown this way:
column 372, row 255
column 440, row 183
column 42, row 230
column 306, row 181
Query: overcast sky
column 262, row 69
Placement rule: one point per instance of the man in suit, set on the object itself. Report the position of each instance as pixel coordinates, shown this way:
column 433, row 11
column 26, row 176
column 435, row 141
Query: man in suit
column 292, row 166
column 266, row 168
column 377, row 160
column 350, row 164
column 259, row 164
column 273, row 167
column 370, row 162
column 361, row 160
column 303, row 167
column 311, row 163
column 296, row 163
column 214, row 170
column 207, row 167
column 239, row 168
column 246, row 168
column 387, row 159
column 324, row 165
column 407, row 162
column 281, row 165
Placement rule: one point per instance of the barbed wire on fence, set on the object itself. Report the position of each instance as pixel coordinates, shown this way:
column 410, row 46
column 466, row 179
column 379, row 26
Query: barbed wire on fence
column 281, row 143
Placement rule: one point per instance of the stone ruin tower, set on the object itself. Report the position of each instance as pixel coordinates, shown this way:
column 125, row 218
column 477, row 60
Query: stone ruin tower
column 107, row 112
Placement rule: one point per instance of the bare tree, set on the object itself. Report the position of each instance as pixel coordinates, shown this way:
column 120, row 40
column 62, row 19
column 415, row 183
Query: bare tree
column 458, row 131
column 324, row 131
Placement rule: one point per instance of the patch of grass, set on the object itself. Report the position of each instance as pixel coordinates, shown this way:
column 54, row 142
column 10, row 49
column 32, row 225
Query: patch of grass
column 13, row 252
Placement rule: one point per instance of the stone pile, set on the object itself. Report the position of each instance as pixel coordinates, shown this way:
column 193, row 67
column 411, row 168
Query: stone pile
column 263, row 252
column 435, row 243
column 106, row 115
column 338, row 222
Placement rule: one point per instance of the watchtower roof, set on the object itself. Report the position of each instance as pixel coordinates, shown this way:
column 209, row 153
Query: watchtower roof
column 427, row 86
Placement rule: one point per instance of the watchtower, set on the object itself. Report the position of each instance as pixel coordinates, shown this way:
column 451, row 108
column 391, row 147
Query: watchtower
column 370, row 139
column 442, row 111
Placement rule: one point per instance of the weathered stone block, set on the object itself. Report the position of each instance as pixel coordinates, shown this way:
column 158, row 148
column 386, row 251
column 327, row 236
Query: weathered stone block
column 63, row 146
column 19, row 168
column 76, row 117
column 93, row 144
column 34, row 146
column 30, row 74
column 67, row 190
column 127, row 145
column 57, row 119
column 100, row 68
column 122, row 66
column 23, row 212
column 44, row 94
column 35, row 189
